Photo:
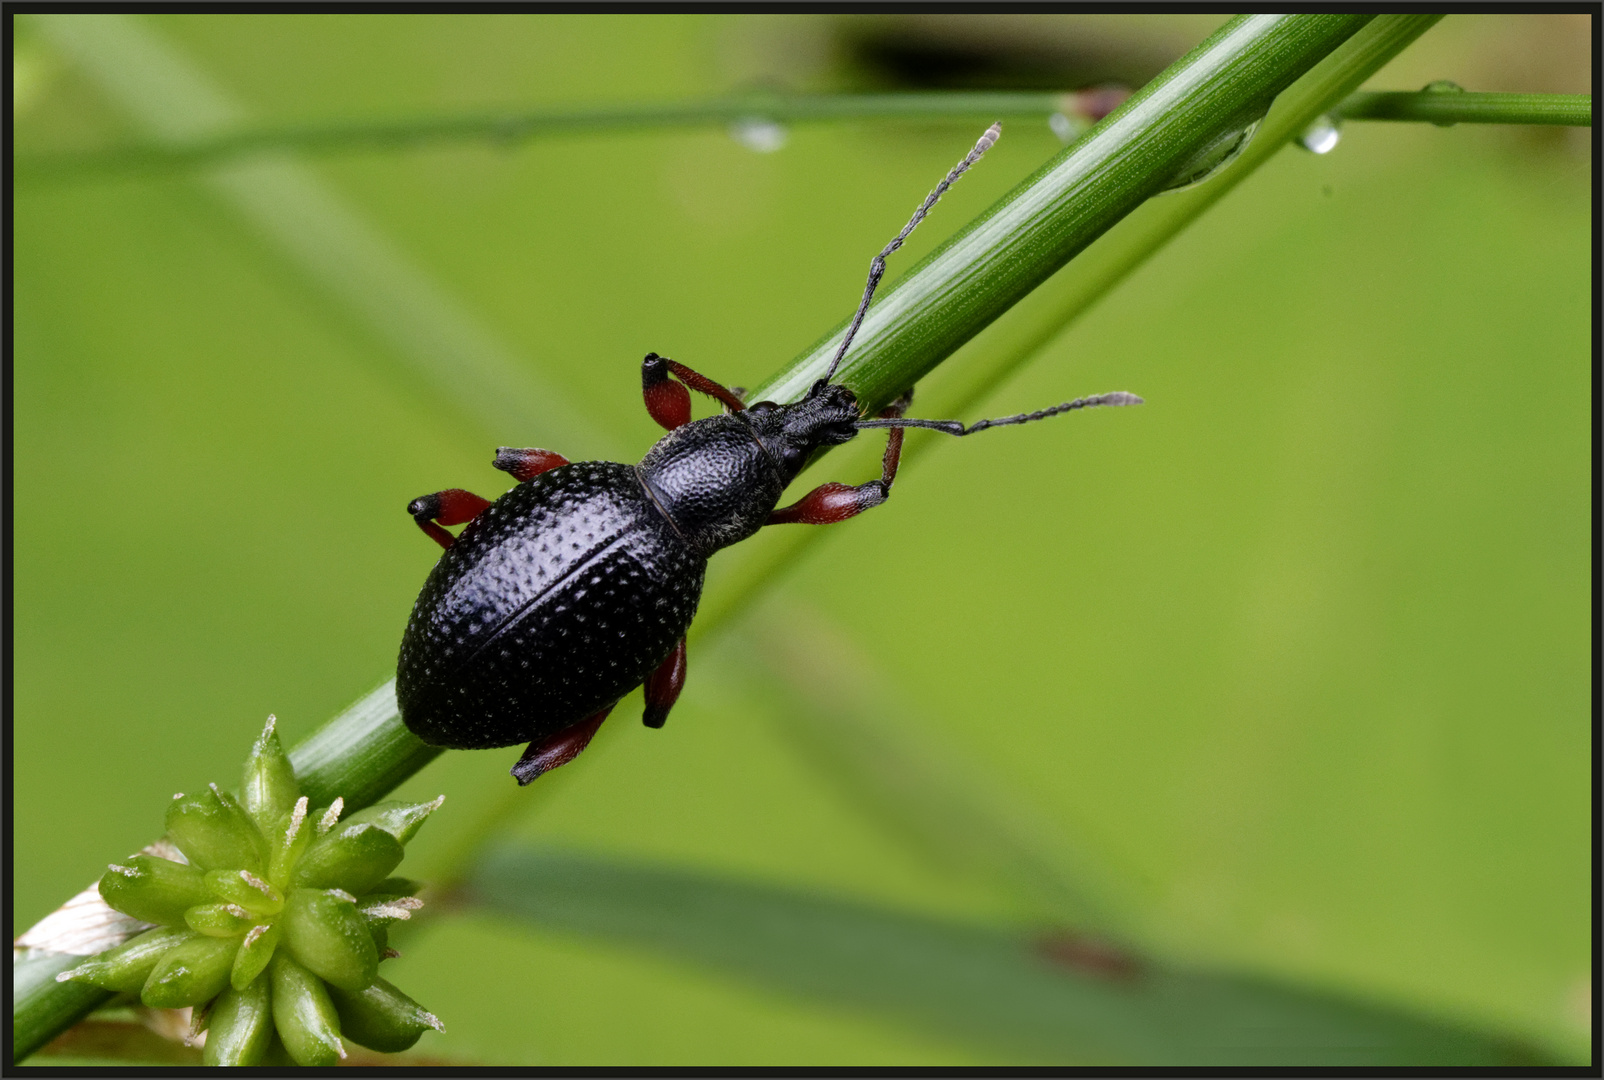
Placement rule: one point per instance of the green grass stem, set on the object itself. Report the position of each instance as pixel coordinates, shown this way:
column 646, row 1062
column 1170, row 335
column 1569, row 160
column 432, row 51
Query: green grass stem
column 1447, row 107
column 1079, row 110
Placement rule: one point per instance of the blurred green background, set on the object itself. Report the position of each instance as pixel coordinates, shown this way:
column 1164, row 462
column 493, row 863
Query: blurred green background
column 1287, row 670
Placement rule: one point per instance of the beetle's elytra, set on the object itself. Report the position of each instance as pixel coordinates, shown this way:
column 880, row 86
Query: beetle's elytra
column 579, row 584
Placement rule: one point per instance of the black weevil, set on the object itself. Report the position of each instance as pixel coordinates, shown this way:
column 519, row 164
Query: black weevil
column 579, row 584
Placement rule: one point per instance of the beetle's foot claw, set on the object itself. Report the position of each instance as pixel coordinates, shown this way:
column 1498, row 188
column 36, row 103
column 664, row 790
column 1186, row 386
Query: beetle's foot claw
column 544, row 755
column 663, row 686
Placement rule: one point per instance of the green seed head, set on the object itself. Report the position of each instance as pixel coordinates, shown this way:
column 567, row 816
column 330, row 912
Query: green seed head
column 279, row 906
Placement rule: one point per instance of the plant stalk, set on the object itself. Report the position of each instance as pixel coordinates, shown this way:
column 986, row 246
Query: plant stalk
column 1078, row 109
column 1448, row 107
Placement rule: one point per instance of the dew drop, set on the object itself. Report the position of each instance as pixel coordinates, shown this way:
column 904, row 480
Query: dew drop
column 759, row 134
column 1212, row 158
column 1321, row 137
column 1066, row 129
column 1442, row 86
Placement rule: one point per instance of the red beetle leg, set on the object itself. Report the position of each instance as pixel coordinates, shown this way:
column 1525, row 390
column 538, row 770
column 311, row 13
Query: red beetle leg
column 663, row 687
column 452, row 506
column 544, row 755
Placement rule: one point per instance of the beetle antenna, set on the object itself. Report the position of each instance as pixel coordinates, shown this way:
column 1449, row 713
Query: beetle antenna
column 878, row 266
column 956, row 427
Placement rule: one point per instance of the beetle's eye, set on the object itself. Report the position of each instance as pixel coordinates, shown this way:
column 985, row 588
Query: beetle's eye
column 761, row 407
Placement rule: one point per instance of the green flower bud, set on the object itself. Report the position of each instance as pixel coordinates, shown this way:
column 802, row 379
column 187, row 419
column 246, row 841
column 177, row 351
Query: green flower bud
column 153, row 889
column 287, row 840
column 351, row 857
column 269, row 788
column 254, row 953
column 245, row 889
column 303, row 1014
column 382, row 1018
column 214, row 832
column 401, row 820
column 219, row 920
column 326, row 933
column 189, row 973
column 240, row 1025
column 125, row 968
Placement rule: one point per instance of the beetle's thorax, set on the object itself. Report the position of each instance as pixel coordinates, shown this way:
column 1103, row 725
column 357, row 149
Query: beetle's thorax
column 717, row 480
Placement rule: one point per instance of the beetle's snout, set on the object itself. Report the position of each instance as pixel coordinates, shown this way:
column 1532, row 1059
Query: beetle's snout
column 823, row 418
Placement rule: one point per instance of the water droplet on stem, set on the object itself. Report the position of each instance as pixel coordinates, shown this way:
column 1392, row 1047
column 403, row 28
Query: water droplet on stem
column 1321, row 137
column 759, row 134
column 1213, row 157
column 1442, row 86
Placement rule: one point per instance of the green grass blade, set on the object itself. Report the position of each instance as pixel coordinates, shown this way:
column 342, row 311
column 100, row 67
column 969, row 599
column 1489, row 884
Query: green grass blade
column 988, row 986
column 1462, row 107
column 504, row 126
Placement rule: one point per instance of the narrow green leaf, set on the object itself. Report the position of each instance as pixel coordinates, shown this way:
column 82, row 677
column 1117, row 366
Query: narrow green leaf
column 303, row 1014
column 125, row 968
column 382, row 1018
column 986, row 985
column 214, row 832
column 154, row 889
column 240, row 1026
column 189, row 973
column 325, row 932
column 269, row 788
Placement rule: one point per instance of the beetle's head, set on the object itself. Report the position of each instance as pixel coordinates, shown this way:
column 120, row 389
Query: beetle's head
column 827, row 416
